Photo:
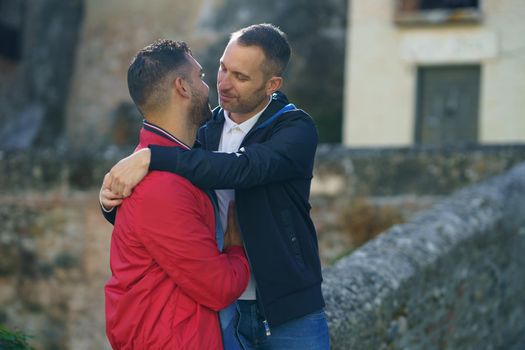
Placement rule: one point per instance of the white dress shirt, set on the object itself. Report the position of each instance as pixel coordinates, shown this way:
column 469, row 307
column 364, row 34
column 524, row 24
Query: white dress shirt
column 232, row 136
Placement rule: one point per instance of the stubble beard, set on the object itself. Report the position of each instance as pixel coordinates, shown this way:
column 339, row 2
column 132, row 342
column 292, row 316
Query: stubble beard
column 249, row 105
column 200, row 111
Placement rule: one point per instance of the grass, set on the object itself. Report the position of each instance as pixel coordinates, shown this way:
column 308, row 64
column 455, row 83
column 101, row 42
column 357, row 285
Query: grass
column 13, row 340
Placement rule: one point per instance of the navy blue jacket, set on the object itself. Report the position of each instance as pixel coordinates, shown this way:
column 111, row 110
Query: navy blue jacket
column 271, row 175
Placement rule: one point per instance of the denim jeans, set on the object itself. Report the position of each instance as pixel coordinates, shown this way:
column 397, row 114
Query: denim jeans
column 229, row 319
column 309, row 332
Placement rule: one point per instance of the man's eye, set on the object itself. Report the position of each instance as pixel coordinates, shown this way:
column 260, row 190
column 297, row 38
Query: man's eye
column 203, row 75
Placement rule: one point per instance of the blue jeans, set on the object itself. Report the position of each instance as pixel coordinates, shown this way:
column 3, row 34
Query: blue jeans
column 309, row 332
column 230, row 336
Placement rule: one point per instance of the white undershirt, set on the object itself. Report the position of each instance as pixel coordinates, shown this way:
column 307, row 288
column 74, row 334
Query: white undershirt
column 232, row 136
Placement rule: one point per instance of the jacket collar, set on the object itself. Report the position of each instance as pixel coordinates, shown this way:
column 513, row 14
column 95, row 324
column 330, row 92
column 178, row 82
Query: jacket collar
column 151, row 134
column 213, row 129
column 247, row 125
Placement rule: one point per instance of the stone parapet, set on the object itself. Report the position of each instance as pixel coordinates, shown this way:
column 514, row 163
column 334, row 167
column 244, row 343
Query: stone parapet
column 451, row 278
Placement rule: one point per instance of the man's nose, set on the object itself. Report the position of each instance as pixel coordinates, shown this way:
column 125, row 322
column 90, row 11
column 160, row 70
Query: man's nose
column 224, row 82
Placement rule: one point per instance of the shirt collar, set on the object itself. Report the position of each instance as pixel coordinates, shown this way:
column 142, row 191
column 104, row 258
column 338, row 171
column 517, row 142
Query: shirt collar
column 245, row 126
column 153, row 134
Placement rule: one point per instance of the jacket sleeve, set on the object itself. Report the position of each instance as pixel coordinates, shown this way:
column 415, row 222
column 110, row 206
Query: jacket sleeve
column 287, row 154
column 110, row 216
column 173, row 230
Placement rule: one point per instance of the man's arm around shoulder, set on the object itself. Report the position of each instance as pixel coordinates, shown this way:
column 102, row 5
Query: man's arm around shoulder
column 288, row 153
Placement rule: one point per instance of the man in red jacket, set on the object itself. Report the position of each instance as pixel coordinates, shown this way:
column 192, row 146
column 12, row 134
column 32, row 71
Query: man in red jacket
column 169, row 276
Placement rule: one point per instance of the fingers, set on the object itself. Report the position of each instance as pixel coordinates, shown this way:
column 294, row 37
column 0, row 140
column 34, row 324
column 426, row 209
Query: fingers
column 107, row 180
column 109, row 199
column 126, row 192
column 111, row 203
column 106, row 193
column 127, row 173
column 116, row 185
column 233, row 235
column 232, row 215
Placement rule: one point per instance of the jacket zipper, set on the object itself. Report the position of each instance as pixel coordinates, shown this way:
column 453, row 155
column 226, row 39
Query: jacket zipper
column 258, row 297
column 257, row 293
column 265, row 321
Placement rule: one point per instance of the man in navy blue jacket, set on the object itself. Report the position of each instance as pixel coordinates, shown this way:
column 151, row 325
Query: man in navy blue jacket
column 264, row 162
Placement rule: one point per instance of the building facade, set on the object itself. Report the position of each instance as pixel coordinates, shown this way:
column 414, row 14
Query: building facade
column 434, row 72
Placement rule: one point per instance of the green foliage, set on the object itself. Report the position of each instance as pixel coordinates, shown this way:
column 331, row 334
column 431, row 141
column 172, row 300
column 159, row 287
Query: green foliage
column 316, row 30
column 13, row 340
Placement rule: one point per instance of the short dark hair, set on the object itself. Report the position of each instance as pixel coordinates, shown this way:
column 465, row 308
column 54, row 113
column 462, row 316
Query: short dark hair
column 152, row 70
column 271, row 40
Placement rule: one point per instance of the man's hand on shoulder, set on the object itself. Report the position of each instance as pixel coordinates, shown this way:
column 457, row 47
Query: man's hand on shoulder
column 126, row 174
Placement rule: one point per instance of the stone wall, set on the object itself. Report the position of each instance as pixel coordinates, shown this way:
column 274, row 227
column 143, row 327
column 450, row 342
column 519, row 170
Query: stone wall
column 451, row 278
column 339, row 172
column 357, row 193
column 409, row 170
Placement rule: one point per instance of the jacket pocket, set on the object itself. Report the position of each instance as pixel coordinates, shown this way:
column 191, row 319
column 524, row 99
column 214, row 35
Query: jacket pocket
column 292, row 238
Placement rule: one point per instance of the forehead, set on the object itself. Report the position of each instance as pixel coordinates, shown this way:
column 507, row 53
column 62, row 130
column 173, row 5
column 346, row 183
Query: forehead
column 246, row 59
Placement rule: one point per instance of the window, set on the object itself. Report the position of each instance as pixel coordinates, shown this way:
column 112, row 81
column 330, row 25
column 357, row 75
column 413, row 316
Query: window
column 11, row 23
column 434, row 12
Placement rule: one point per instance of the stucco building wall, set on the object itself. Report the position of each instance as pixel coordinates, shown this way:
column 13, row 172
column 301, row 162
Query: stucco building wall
column 383, row 57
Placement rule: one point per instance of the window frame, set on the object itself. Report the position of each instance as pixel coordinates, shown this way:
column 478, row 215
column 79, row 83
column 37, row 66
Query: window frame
column 408, row 13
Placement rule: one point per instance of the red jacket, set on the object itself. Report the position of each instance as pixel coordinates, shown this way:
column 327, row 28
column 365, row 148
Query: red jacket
column 168, row 277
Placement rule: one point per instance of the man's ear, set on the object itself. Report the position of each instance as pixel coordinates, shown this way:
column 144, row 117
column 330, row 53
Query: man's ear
column 181, row 87
column 273, row 84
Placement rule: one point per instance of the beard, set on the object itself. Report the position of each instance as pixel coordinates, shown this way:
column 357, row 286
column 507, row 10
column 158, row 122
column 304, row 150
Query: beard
column 248, row 104
column 200, row 111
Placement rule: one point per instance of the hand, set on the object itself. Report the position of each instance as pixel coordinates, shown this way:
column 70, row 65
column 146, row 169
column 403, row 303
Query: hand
column 232, row 236
column 127, row 173
column 108, row 199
